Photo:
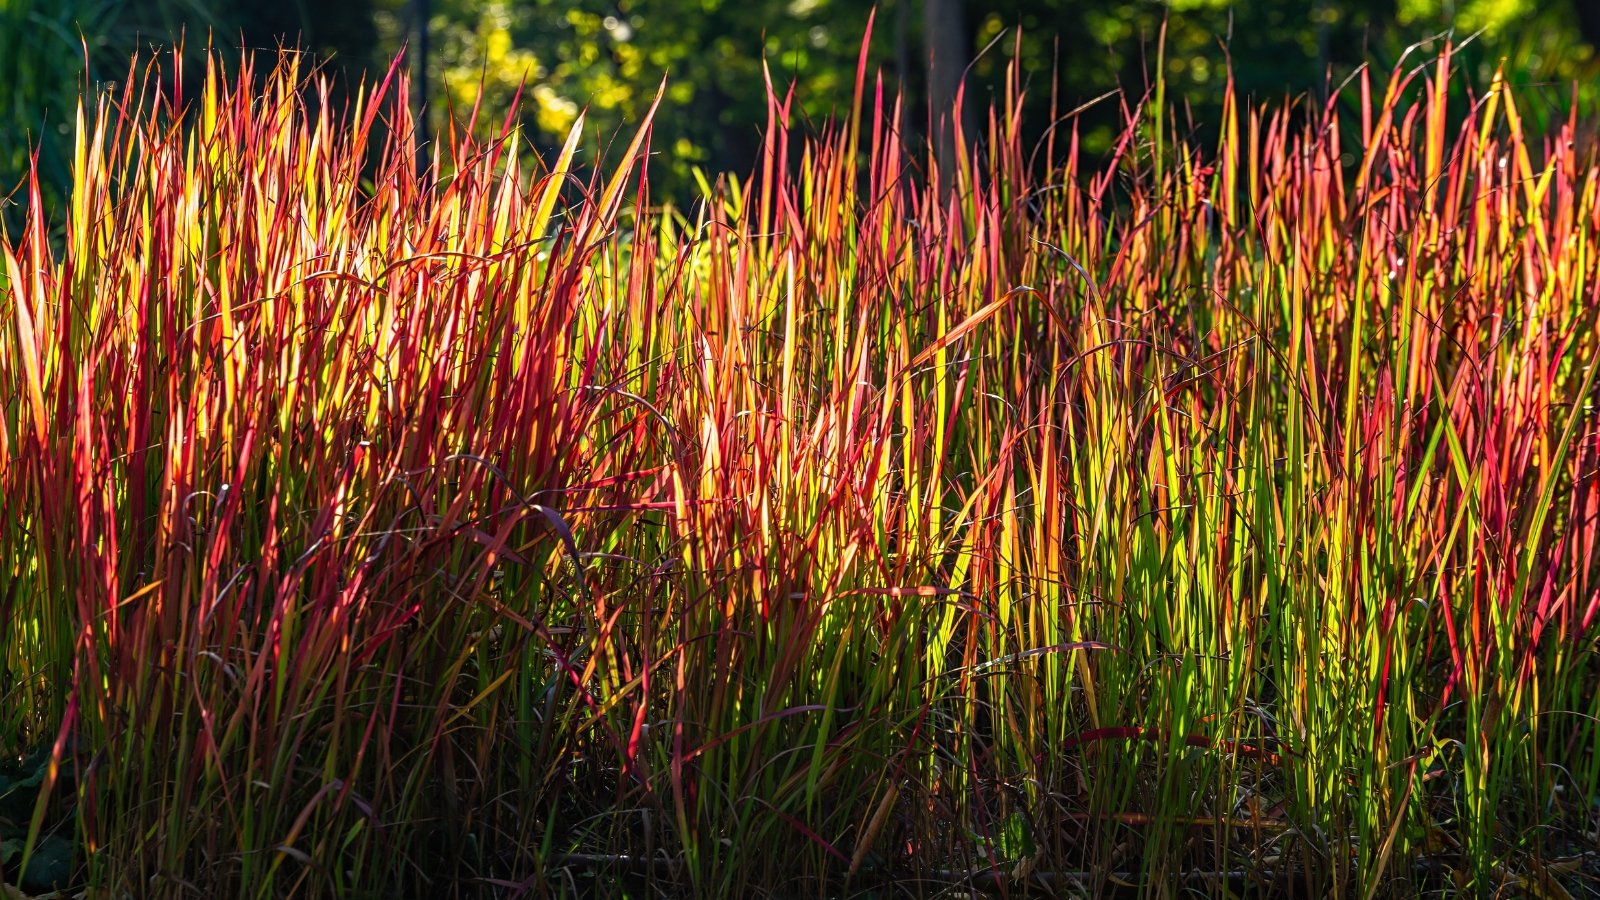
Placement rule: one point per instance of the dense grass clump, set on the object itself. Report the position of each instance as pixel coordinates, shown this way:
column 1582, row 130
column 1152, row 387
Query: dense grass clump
column 1219, row 516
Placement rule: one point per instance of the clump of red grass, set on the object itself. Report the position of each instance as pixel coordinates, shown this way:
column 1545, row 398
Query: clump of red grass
column 381, row 524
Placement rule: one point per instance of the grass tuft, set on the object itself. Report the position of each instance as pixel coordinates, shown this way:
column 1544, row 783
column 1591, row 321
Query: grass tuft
column 393, row 519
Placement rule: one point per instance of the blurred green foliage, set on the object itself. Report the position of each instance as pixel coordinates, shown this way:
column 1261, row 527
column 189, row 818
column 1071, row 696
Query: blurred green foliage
column 46, row 49
column 608, row 57
column 1277, row 48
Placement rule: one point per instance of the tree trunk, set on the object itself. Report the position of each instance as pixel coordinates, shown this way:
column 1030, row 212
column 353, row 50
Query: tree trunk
column 944, row 24
column 420, row 13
